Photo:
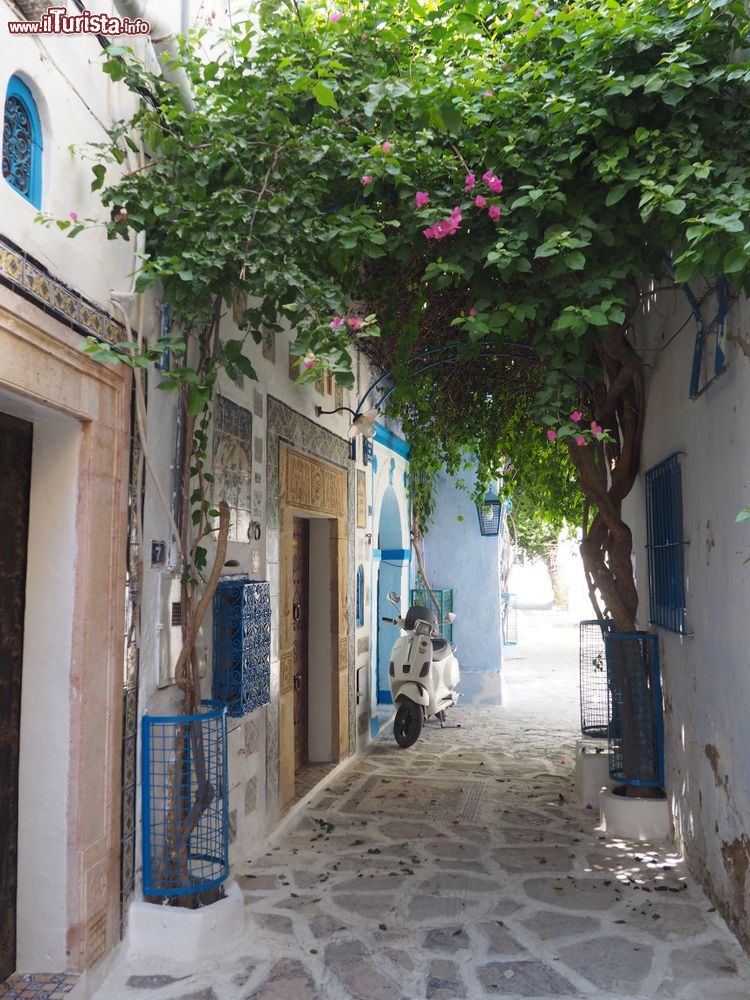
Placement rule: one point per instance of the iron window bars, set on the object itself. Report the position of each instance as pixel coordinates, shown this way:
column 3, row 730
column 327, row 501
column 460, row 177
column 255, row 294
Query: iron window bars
column 665, row 545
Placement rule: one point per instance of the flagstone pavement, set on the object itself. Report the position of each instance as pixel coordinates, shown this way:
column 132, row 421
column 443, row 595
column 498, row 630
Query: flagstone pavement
column 464, row 868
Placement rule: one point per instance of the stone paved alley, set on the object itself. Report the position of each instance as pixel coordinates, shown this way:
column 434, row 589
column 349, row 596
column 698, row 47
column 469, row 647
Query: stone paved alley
column 464, row 868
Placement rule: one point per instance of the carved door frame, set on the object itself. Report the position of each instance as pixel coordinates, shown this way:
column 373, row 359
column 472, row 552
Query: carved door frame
column 44, row 370
column 310, row 487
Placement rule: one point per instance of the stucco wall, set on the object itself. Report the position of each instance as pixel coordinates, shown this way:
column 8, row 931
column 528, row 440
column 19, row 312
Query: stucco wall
column 705, row 677
column 456, row 555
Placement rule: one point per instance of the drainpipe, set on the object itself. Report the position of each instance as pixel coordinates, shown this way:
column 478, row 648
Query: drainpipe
column 163, row 39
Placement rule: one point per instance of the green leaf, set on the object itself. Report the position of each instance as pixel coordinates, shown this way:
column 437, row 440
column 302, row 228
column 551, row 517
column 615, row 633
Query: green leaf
column 675, row 205
column 616, row 194
column 575, row 260
column 735, row 260
column 324, row 95
column 744, row 515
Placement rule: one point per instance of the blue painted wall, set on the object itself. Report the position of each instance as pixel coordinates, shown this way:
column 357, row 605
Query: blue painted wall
column 389, row 560
column 457, row 556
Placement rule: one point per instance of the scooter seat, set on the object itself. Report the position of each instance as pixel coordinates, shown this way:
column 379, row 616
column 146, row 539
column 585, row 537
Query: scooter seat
column 441, row 649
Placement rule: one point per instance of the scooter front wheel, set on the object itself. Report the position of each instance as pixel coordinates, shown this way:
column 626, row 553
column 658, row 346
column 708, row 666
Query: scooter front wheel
column 408, row 723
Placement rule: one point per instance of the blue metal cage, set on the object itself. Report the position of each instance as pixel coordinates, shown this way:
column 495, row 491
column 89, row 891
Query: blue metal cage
column 184, row 802
column 636, row 731
column 242, row 645
column 510, row 619
column 592, row 672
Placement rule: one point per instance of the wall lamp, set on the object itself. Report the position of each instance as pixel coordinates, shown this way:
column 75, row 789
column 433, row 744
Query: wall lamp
column 362, row 423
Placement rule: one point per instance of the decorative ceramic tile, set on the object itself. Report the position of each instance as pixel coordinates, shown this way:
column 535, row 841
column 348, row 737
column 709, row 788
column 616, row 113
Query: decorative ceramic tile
column 268, row 345
column 233, row 463
column 38, row 986
column 52, row 295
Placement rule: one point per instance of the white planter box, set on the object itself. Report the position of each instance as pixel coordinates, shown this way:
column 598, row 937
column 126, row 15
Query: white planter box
column 633, row 818
column 188, row 935
column 591, row 775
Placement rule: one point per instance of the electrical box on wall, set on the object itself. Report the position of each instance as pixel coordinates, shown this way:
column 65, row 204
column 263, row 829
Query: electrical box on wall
column 169, row 628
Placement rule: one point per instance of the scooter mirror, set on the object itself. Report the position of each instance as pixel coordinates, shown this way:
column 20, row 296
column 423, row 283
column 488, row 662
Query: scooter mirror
column 450, row 618
column 394, row 598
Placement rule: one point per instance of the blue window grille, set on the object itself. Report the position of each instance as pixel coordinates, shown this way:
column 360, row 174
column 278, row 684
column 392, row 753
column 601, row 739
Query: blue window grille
column 665, row 545
column 22, row 142
column 242, row 645
column 360, row 596
column 184, row 789
column 636, row 727
column 444, row 597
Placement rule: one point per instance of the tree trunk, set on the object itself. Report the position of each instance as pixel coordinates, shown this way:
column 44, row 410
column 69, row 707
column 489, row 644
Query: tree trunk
column 553, row 568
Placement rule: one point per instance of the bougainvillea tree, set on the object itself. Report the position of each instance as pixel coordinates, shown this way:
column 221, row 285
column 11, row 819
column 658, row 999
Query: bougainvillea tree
column 407, row 175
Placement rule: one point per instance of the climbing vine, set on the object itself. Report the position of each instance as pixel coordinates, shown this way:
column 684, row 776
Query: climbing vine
column 399, row 175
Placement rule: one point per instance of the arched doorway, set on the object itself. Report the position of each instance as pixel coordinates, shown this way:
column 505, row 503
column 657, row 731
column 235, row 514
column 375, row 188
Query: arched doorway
column 389, row 565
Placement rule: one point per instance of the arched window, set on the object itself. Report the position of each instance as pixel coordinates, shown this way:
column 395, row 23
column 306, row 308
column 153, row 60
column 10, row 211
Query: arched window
column 22, row 142
column 360, row 596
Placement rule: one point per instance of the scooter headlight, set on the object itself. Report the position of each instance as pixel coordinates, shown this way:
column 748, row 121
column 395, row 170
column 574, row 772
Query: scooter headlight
column 425, row 669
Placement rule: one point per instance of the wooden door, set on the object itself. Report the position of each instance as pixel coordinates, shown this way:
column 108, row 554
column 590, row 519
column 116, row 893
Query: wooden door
column 300, row 624
column 15, row 484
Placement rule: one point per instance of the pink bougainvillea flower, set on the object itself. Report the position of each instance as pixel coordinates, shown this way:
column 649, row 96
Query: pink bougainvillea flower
column 551, row 435
column 480, row 201
column 337, row 322
column 575, row 416
column 580, row 439
column 538, row 12
column 495, row 212
column 489, row 93
column 366, row 179
column 470, row 182
column 355, row 323
column 596, row 428
column 309, row 360
column 472, row 311
column 335, row 16
column 446, row 227
column 421, row 198
column 492, row 181
column 387, row 146
column 121, row 215
column 74, row 216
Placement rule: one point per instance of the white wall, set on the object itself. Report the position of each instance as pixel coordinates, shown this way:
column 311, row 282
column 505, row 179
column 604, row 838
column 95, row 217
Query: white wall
column 76, row 102
column 706, row 679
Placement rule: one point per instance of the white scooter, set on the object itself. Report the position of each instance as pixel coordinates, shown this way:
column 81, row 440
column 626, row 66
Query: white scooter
column 423, row 671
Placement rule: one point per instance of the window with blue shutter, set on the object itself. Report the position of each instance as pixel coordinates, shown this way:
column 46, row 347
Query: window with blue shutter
column 666, row 545
column 22, row 142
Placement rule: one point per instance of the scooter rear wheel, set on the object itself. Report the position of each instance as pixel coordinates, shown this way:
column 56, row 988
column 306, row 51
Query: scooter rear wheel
column 408, row 723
